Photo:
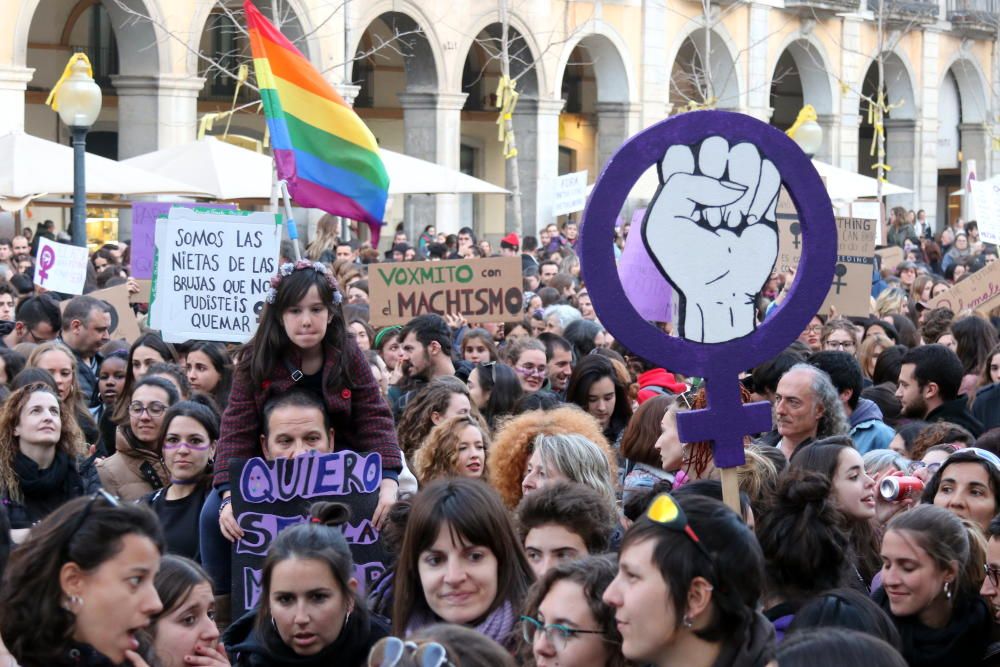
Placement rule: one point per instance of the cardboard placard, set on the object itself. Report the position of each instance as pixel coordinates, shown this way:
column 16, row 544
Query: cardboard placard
column 570, row 194
column 144, row 215
column 123, row 321
column 890, row 256
column 644, row 285
column 979, row 292
column 789, row 234
column 852, row 276
column 481, row 290
column 273, row 495
column 144, row 294
column 60, row 267
column 212, row 273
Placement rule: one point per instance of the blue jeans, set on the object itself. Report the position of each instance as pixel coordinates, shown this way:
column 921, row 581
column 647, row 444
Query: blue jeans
column 216, row 550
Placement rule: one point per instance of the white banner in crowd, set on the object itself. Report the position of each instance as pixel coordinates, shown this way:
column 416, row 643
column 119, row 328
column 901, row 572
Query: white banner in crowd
column 60, row 267
column 212, row 273
column 986, row 208
column 570, row 193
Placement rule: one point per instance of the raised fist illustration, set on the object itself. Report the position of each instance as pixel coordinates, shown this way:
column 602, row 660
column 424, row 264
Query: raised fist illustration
column 712, row 233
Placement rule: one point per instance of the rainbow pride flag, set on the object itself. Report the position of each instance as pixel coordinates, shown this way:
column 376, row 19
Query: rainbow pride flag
column 324, row 151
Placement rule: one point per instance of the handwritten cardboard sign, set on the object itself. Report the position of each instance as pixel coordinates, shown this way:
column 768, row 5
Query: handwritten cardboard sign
column 273, row 495
column 60, row 267
column 852, row 275
column 890, row 256
column 124, row 325
column 789, row 234
column 644, row 285
column 481, row 290
column 570, row 193
column 979, row 292
column 212, row 273
column 144, row 215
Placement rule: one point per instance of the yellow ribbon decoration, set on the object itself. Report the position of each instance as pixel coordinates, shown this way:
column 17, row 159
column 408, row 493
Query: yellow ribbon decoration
column 241, row 77
column 506, row 101
column 806, row 114
column 51, row 99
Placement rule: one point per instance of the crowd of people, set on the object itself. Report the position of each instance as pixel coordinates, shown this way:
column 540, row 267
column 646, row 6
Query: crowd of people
column 536, row 506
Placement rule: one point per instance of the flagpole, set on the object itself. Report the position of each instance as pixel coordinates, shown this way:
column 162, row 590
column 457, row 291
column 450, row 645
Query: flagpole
column 293, row 232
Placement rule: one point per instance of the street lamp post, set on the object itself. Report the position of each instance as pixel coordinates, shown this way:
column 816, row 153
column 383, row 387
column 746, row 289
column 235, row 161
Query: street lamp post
column 78, row 100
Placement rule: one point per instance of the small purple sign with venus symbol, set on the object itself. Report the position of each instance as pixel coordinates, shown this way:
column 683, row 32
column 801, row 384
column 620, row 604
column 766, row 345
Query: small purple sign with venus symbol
column 711, row 231
column 46, row 260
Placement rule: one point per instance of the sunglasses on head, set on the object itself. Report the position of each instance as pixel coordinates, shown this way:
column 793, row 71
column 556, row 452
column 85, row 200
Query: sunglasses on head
column 665, row 511
column 391, row 652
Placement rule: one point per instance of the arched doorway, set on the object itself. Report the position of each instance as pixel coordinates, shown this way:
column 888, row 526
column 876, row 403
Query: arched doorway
column 704, row 73
column 800, row 78
column 899, row 125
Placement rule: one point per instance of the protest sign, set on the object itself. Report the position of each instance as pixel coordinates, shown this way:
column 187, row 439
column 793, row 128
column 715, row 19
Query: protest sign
column 890, row 257
column 274, row 495
column 986, row 208
column 570, row 193
column 643, row 283
column 123, row 321
column 789, row 234
column 481, row 290
column 144, row 215
column 979, row 292
column 212, row 273
column 852, row 276
column 872, row 210
column 60, row 267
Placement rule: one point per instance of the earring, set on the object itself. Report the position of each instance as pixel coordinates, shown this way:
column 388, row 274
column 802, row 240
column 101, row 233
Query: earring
column 688, row 623
column 72, row 603
column 347, row 618
column 947, row 589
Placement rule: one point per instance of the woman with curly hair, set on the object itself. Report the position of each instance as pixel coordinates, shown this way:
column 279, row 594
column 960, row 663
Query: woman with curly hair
column 442, row 398
column 514, row 445
column 457, row 447
column 60, row 361
column 38, row 455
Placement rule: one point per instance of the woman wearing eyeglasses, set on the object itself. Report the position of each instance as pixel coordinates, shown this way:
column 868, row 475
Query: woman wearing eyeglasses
column 565, row 621
column 136, row 468
column 527, row 358
column 928, row 592
column 690, row 575
column 967, row 484
column 79, row 591
column 38, row 456
column 460, row 562
column 187, row 442
column 309, row 613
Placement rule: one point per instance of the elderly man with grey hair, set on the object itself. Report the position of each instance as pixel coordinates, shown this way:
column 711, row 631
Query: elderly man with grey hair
column 558, row 316
column 806, row 407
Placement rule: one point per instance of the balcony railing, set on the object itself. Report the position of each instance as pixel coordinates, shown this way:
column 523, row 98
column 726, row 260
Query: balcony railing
column 975, row 17
column 907, row 11
column 823, row 5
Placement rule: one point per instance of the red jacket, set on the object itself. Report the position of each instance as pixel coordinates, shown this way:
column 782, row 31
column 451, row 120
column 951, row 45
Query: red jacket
column 362, row 420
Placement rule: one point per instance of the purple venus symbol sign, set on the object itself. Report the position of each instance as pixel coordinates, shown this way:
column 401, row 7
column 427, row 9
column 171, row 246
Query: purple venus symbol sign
column 46, row 259
column 711, row 231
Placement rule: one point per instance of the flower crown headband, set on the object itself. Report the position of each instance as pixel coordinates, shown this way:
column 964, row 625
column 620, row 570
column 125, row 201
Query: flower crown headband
column 289, row 268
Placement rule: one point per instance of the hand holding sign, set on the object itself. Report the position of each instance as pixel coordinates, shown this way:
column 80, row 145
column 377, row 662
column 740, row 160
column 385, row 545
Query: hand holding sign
column 722, row 203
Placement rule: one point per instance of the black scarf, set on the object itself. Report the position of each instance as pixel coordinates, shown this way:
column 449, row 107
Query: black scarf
column 58, row 480
column 962, row 642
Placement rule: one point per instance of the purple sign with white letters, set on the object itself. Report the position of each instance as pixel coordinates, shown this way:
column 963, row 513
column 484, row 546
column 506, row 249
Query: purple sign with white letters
column 274, row 495
column 711, row 231
column 144, row 215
